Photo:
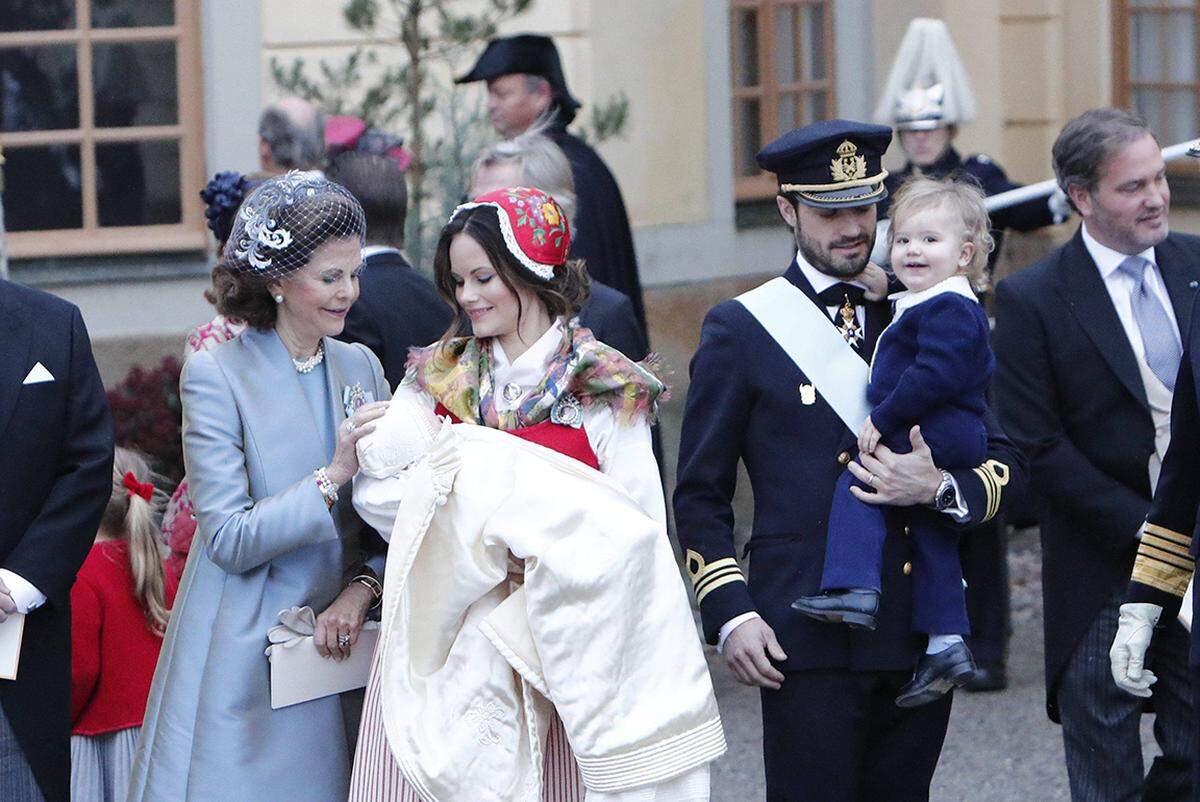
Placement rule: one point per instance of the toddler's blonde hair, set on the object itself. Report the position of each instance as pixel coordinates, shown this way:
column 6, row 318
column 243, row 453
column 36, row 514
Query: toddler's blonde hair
column 966, row 200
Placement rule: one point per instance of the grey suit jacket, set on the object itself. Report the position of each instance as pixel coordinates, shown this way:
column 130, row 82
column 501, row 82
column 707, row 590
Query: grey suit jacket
column 265, row 541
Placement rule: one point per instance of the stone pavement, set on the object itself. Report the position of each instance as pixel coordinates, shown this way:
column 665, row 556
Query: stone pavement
column 1001, row 747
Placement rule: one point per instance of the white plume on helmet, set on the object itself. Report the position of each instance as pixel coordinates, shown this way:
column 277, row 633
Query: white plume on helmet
column 928, row 85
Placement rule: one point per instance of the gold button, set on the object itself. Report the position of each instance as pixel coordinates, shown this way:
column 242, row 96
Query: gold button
column 843, row 458
column 907, row 569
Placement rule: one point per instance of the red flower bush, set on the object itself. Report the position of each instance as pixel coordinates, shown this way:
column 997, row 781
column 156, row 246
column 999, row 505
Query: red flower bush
column 148, row 415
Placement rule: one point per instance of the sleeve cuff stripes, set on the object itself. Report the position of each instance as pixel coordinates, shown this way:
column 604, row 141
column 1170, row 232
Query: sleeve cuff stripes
column 707, row 577
column 994, row 476
column 1163, row 560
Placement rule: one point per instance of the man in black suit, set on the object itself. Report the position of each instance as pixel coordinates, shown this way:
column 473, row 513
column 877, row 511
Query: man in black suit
column 527, row 88
column 397, row 307
column 1087, row 345
column 56, row 451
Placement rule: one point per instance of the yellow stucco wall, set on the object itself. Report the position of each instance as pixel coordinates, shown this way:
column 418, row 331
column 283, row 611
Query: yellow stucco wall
column 651, row 51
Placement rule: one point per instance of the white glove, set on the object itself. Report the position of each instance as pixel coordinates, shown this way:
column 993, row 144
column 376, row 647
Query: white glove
column 1135, row 628
column 1059, row 207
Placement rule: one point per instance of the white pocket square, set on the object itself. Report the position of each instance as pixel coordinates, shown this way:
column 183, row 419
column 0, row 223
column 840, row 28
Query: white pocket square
column 38, row 375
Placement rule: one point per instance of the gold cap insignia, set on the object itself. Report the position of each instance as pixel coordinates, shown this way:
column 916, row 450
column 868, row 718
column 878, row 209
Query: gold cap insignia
column 848, row 166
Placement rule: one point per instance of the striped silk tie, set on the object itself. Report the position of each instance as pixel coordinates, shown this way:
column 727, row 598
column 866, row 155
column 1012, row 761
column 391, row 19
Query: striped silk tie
column 1158, row 335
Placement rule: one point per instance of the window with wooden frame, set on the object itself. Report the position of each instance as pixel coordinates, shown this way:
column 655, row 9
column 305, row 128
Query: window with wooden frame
column 101, row 126
column 782, row 69
column 1154, row 64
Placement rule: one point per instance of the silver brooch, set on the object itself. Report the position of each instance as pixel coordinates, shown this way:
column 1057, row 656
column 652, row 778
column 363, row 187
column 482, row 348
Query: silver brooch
column 511, row 392
column 567, row 411
column 353, row 397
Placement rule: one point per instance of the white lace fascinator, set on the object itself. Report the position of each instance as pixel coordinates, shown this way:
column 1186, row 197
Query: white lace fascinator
column 286, row 219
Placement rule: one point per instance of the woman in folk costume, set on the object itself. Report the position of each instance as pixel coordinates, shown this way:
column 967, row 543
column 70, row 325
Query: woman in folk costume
column 535, row 627
column 270, row 423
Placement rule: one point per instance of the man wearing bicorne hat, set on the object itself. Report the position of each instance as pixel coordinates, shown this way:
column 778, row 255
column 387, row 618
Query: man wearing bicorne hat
column 927, row 97
column 779, row 382
column 526, row 88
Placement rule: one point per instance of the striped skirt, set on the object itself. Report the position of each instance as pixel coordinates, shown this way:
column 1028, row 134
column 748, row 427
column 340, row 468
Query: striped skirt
column 377, row 776
column 101, row 764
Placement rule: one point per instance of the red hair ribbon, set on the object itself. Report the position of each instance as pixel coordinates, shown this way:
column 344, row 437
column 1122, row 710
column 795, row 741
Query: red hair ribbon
column 136, row 488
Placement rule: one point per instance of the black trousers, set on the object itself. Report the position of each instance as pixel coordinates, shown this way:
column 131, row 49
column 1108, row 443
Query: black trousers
column 837, row 735
column 984, row 555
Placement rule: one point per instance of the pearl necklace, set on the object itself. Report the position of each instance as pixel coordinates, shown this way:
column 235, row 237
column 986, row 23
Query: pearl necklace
column 310, row 364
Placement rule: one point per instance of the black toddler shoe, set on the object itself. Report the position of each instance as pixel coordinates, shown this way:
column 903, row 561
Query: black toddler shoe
column 936, row 674
column 858, row 608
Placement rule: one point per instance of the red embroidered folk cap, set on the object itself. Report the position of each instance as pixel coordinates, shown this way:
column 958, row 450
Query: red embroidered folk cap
column 534, row 226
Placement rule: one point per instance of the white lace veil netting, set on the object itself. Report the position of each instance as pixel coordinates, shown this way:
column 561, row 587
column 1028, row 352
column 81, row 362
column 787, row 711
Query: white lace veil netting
column 286, row 219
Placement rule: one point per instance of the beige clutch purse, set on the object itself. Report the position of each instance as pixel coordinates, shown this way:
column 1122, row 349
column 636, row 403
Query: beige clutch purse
column 300, row 674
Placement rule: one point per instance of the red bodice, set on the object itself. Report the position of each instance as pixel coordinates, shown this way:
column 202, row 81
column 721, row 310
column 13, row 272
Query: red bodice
column 566, row 440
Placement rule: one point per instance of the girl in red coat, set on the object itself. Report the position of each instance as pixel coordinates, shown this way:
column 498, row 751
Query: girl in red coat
column 119, row 608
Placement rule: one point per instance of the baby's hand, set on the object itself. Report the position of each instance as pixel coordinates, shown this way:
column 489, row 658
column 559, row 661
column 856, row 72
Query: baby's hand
column 868, row 437
column 876, row 279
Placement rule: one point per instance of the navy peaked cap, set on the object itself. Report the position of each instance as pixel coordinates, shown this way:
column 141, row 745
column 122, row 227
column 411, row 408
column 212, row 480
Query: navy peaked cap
column 831, row 164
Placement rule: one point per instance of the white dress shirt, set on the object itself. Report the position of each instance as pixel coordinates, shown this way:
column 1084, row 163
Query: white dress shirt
column 24, row 594
column 821, row 282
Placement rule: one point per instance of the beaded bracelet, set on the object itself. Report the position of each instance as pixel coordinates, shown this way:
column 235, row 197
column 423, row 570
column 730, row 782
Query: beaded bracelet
column 328, row 489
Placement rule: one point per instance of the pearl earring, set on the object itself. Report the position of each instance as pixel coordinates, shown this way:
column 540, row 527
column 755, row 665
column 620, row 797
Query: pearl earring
column 278, row 299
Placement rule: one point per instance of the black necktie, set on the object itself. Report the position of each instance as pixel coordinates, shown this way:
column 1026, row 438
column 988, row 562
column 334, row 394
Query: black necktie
column 845, row 298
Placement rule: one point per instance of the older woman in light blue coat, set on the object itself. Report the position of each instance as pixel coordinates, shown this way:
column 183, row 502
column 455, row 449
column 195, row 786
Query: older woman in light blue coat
column 269, row 429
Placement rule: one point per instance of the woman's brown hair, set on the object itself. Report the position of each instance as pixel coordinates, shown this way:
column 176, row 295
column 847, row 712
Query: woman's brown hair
column 562, row 296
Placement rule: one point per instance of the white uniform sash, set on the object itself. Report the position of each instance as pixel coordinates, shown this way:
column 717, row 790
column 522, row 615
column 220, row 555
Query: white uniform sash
column 811, row 340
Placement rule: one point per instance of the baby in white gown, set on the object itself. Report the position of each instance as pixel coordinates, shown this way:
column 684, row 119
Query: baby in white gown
column 599, row 631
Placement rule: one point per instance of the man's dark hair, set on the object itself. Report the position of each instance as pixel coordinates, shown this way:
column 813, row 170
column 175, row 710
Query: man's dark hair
column 1088, row 141
column 293, row 147
column 378, row 183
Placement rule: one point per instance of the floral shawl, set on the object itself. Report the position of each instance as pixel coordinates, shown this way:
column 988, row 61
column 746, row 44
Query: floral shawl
column 458, row 374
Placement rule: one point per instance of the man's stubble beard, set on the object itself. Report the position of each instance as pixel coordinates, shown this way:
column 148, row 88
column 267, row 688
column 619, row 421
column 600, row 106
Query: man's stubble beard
column 820, row 258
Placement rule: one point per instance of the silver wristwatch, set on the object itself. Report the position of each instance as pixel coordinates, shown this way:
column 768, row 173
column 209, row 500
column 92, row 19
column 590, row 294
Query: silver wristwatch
column 946, row 497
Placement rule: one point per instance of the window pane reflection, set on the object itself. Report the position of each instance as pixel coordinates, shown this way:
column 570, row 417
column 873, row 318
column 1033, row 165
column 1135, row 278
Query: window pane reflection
column 42, row 188
column 749, row 136
column 36, row 15
column 137, row 183
column 135, row 84
column 785, row 45
column 746, row 31
column 132, row 13
column 39, row 88
column 812, row 42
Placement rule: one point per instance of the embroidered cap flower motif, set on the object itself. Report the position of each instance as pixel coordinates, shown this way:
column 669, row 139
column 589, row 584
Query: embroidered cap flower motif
column 483, row 717
column 538, row 212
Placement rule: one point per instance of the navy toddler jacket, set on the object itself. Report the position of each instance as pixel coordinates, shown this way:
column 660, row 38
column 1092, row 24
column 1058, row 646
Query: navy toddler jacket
column 932, row 366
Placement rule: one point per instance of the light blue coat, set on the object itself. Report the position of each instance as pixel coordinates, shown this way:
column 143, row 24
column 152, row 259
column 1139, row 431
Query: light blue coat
column 265, row 541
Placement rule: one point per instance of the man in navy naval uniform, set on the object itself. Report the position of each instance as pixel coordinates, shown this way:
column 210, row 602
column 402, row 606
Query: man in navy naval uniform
column 773, row 383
